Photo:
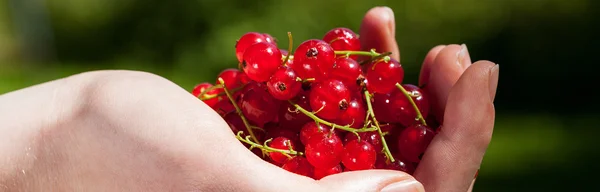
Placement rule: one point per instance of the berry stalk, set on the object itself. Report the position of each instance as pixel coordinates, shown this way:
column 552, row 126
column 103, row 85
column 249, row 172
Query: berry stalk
column 370, row 112
column 412, row 102
column 332, row 125
column 203, row 93
column 238, row 110
column 290, row 47
column 203, row 96
column 265, row 147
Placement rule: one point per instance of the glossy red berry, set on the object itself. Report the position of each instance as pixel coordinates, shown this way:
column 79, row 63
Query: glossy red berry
column 313, row 59
column 359, row 155
column 355, row 114
column 258, row 105
column 329, row 98
column 381, row 104
column 382, row 76
column 401, row 165
column 261, row 60
column 413, row 142
column 282, row 143
column 343, row 39
column 402, row 110
column 346, row 70
column 283, row 85
column 320, row 173
column 223, row 107
column 198, row 89
column 270, row 39
column 300, row 166
column 246, row 41
column 324, row 151
column 231, row 77
column 372, row 137
column 311, row 129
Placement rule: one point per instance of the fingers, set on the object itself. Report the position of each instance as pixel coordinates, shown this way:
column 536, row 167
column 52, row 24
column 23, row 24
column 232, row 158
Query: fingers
column 455, row 154
column 427, row 63
column 378, row 31
column 439, row 76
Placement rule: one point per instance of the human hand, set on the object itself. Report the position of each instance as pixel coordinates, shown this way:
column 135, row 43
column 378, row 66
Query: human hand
column 131, row 131
column 462, row 96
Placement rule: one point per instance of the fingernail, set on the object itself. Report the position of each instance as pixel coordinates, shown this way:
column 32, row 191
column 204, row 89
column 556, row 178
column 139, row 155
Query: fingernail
column 494, row 72
column 405, row 185
column 464, row 59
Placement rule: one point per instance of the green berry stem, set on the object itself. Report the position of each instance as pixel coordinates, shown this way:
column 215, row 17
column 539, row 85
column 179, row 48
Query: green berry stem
column 371, row 53
column 207, row 90
column 370, row 112
column 412, row 102
column 290, row 47
column 203, row 96
column 265, row 147
column 333, row 125
column 238, row 110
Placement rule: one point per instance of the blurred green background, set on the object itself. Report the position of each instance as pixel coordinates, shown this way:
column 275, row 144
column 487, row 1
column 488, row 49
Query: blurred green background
column 544, row 134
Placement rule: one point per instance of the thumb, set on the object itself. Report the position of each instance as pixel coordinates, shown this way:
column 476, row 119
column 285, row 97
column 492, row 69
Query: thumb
column 371, row 180
column 247, row 172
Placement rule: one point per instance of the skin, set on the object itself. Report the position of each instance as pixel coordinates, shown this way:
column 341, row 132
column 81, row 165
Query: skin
column 135, row 131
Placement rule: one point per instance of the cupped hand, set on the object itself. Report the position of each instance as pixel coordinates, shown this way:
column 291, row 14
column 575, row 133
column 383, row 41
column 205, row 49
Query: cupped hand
column 134, row 131
column 462, row 95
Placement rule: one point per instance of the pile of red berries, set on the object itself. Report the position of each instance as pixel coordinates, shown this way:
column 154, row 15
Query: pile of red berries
column 325, row 109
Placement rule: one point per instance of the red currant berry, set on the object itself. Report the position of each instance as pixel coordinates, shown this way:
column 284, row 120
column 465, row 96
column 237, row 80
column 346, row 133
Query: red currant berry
column 198, row 89
column 359, row 155
column 246, row 41
column 324, row 151
column 382, row 76
column 329, row 98
column 346, row 70
column 311, row 129
column 258, row 105
column 223, row 107
column 320, row 173
column 372, row 137
column 343, row 39
column 413, row 142
column 355, row 114
column 381, row 104
column 201, row 88
column 261, row 60
column 292, row 119
column 300, row 166
column 231, row 77
column 402, row 110
column 244, row 78
column 280, row 143
column 270, row 39
column 401, row 165
column 316, row 54
column 283, row 85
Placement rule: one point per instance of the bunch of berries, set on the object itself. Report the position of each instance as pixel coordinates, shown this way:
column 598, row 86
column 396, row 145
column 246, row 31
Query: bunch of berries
column 326, row 108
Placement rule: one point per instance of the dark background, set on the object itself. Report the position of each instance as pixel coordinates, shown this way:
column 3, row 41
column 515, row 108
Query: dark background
column 546, row 109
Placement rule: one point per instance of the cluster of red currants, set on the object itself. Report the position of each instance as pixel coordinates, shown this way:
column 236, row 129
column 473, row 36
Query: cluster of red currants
column 313, row 112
